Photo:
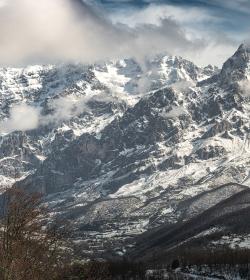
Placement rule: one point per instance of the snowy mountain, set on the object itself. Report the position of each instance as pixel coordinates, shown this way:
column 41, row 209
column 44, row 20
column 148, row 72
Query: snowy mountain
column 121, row 148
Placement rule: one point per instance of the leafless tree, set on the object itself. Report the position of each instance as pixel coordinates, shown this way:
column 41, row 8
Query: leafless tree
column 28, row 248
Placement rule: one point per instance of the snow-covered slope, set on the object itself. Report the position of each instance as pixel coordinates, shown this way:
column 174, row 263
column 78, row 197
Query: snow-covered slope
column 74, row 99
column 121, row 148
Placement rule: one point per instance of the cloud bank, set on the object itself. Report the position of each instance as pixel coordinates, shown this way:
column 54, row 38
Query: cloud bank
column 197, row 22
column 35, row 32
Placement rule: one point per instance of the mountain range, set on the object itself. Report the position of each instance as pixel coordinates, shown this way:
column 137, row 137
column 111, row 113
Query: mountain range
column 137, row 156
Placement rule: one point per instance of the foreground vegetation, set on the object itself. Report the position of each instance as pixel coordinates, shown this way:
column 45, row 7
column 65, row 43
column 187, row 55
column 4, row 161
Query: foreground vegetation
column 29, row 250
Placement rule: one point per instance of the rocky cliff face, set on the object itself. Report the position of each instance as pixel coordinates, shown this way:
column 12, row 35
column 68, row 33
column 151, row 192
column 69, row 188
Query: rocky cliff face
column 119, row 148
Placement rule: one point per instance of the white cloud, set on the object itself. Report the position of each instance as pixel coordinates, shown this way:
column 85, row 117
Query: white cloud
column 182, row 85
column 2, row 3
column 198, row 25
column 34, row 32
column 64, row 108
column 22, row 118
column 153, row 14
column 175, row 112
column 47, row 31
column 245, row 87
column 216, row 52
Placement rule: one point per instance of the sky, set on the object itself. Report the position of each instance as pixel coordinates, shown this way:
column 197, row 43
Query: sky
column 229, row 16
column 88, row 31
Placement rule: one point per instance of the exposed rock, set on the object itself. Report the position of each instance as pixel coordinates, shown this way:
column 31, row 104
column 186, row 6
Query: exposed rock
column 210, row 152
column 219, row 127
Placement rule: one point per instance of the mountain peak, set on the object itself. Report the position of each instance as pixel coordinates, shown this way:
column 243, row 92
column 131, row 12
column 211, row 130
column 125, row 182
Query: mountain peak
column 242, row 53
column 236, row 67
column 243, row 47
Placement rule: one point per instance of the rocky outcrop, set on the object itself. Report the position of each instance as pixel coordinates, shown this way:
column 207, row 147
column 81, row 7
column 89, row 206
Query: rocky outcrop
column 219, row 127
column 209, row 152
